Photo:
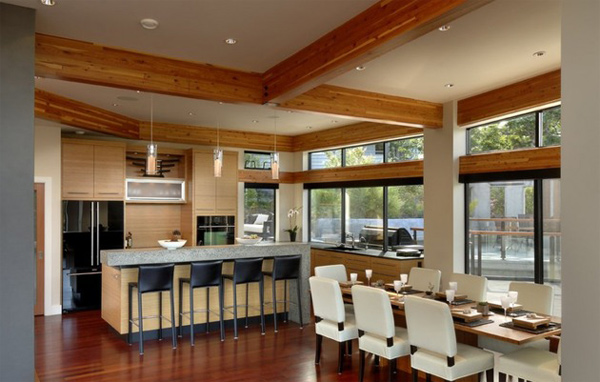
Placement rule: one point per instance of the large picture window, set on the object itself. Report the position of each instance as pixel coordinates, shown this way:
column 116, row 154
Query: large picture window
column 259, row 209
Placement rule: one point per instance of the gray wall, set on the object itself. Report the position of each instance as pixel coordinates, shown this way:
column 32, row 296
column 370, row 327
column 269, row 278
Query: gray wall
column 16, row 193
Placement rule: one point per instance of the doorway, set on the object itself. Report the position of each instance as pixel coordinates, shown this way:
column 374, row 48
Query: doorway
column 39, row 246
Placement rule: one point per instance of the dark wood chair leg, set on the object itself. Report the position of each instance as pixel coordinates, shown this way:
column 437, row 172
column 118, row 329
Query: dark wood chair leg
column 391, row 370
column 501, row 377
column 298, row 287
column 376, row 361
column 173, row 327
column 341, row 357
column 480, row 376
column 261, row 293
column 180, row 303
column 349, row 345
column 489, row 375
column 130, row 315
column 207, row 309
column 160, row 316
column 274, row 293
column 521, row 380
column 140, row 323
column 221, row 302
column 285, row 311
column 428, row 377
column 318, row 351
column 246, row 324
column 361, row 366
column 192, row 338
column 415, row 375
column 235, row 320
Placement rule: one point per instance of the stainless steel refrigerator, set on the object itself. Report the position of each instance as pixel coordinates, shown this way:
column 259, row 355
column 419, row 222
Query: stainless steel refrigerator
column 88, row 228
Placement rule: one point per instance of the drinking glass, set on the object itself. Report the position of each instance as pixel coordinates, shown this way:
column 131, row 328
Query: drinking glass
column 513, row 298
column 397, row 288
column 369, row 274
column 450, row 295
column 404, row 280
column 353, row 278
column 505, row 301
column 453, row 285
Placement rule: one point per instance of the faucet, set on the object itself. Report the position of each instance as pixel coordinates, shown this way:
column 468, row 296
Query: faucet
column 351, row 236
column 362, row 239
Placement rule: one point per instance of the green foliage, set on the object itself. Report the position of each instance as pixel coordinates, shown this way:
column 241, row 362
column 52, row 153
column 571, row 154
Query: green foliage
column 497, row 201
column 405, row 149
column 472, row 206
column 551, row 126
column 515, row 133
column 405, row 202
column 334, row 159
column 259, row 201
column 357, row 156
column 529, row 200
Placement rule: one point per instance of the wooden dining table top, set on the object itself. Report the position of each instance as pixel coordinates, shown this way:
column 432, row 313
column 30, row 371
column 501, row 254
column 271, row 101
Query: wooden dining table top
column 492, row 330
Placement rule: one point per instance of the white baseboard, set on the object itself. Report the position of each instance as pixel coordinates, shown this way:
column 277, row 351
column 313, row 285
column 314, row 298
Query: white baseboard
column 53, row 310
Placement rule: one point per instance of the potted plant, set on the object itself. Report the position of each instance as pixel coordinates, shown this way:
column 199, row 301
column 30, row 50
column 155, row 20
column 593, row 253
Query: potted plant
column 483, row 308
column 292, row 216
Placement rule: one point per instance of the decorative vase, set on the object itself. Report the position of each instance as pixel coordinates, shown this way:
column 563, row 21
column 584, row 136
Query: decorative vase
column 293, row 236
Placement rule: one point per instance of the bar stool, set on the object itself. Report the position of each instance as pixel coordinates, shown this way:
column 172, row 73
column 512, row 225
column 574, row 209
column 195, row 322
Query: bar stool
column 246, row 271
column 206, row 274
column 285, row 268
column 152, row 278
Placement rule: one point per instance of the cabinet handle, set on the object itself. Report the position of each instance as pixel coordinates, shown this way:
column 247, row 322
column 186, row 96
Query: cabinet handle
column 109, row 193
column 77, row 193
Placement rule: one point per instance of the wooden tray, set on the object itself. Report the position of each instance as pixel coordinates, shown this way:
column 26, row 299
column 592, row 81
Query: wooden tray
column 473, row 315
column 531, row 323
column 498, row 305
column 442, row 296
column 348, row 284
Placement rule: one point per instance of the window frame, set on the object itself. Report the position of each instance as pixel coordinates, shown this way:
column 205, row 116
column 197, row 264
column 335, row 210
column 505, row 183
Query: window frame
column 257, row 153
column 269, row 186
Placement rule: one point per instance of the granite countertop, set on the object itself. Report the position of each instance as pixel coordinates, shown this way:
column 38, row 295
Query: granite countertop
column 364, row 252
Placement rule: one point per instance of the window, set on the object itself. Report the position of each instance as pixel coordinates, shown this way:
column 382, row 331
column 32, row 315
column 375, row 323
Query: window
column 255, row 160
column 259, row 209
column 325, row 159
column 509, row 134
column 509, row 238
column 363, row 214
column 551, row 127
column 383, row 152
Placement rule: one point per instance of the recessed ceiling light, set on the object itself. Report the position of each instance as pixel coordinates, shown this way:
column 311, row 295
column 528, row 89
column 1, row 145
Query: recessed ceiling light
column 230, row 41
column 255, row 121
column 221, row 103
column 449, row 85
column 149, row 23
column 190, row 113
column 309, row 127
column 539, row 53
column 36, row 77
column 138, row 91
column 115, row 104
column 49, row 3
column 444, row 28
column 360, row 68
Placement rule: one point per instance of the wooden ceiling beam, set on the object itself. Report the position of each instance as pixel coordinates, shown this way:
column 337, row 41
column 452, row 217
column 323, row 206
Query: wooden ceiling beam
column 72, row 60
column 376, row 107
column 78, row 114
column 381, row 28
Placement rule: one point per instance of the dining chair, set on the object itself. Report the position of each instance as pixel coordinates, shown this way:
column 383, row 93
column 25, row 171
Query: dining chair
column 336, row 272
column 475, row 287
column 332, row 320
column 433, row 345
column 534, row 297
column 377, row 333
column 420, row 278
column 531, row 364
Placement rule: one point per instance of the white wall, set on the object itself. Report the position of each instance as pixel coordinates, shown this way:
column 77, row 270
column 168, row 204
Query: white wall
column 444, row 196
column 47, row 162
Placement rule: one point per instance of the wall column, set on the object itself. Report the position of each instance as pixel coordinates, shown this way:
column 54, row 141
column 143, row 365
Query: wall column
column 444, row 196
column 17, row 42
column 580, row 183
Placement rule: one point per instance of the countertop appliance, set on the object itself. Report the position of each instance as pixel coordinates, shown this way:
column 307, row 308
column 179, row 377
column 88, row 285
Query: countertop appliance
column 215, row 230
column 88, row 228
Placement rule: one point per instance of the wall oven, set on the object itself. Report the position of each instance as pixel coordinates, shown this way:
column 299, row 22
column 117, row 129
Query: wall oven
column 215, row 230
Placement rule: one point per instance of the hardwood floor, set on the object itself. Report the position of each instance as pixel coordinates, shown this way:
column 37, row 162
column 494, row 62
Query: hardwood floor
column 81, row 347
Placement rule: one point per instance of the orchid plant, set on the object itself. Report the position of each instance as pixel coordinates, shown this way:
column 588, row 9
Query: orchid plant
column 292, row 216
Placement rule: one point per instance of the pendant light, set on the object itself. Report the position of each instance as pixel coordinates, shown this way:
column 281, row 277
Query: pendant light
column 152, row 148
column 275, row 154
column 218, row 154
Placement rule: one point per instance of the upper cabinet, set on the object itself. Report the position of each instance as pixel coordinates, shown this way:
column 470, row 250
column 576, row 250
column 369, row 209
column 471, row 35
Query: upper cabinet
column 93, row 170
column 215, row 195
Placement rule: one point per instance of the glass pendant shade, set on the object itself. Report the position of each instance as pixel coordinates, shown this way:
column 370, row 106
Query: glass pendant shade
column 218, row 162
column 151, row 160
column 275, row 165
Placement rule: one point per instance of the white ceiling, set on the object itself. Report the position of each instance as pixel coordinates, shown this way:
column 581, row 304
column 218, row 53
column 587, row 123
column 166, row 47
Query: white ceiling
column 488, row 48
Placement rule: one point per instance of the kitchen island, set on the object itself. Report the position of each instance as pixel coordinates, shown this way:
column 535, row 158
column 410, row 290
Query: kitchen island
column 119, row 268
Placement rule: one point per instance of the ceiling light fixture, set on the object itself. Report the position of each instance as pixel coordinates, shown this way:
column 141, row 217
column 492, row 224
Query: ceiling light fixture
column 255, row 121
column 49, row 3
column 449, row 86
column 444, row 28
column 360, row 68
column 309, row 127
column 190, row 113
column 539, row 53
column 115, row 104
column 275, row 154
column 149, row 24
column 230, row 41
column 218, row 153
column 152, row 148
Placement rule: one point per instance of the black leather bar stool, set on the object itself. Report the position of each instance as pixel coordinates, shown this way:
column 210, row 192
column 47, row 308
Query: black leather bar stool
column 285, row 268
column 152, row 278
column 246, row 271
column 206, row 274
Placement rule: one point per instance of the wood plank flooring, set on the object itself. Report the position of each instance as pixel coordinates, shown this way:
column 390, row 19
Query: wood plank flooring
column 82, row 347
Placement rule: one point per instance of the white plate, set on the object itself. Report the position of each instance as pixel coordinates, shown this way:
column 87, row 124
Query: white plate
column 248, row 241
column 171, row 245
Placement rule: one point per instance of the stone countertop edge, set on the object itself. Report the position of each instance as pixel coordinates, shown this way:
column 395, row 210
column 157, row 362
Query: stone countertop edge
column 132, row 257
column 367, row 252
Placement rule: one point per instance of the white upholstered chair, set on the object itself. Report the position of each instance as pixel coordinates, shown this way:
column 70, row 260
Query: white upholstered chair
column 475, row 287
column 530, row 364
column 534, row 297
column 336, row 272
column 433, row 346
column 420, row 278
column 331, row 318
column 377, row 333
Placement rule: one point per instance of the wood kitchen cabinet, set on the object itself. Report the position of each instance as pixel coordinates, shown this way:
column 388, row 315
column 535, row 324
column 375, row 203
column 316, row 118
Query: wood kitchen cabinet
column 93, row 170
column 212, row 195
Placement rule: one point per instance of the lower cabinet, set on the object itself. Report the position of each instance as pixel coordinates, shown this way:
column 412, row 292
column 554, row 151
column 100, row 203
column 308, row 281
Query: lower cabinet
column 384, row 269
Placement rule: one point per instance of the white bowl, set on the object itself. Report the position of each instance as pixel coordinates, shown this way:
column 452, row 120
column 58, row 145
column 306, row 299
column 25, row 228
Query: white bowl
column 248, row 241
column 171, row 245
